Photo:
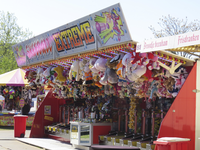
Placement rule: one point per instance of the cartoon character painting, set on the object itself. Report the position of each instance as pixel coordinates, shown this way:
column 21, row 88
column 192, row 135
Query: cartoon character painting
column 114, row 17
column 109, row 25
column 20, row 55
column 19, row 51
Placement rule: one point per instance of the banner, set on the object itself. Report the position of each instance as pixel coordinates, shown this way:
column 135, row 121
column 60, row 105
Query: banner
column 170, row 42
column 154, row 45
column 187, row 39
column 96, row 31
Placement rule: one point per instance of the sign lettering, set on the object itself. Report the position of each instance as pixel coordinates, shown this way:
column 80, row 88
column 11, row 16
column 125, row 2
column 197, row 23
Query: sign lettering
column 73, row 37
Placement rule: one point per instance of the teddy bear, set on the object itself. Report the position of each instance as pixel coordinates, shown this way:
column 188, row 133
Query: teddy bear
column 110, row 74
column 46, row 73
column 87, row 74
column 169, row 83
column 135, row 74
column 126, row 61
column 39, row 75
column 64, row 91
column 59, row 71
column 95, row 72
column 100, row 64
column 81, row 67
column 31, row 76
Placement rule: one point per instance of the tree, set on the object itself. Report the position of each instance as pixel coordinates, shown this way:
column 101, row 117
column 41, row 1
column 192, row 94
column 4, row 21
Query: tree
column 172, row 26
column 10, row 34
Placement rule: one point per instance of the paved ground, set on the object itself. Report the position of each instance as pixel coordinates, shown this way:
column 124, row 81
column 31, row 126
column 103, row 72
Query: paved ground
column 8, row 142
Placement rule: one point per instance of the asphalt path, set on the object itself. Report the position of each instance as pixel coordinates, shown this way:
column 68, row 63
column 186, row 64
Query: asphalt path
column 8, row 142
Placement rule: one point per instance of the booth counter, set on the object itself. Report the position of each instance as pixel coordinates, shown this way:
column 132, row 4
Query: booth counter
column 87, row 134
column 7, row 119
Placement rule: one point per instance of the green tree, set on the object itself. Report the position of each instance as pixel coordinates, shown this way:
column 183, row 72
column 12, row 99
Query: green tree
column 172, row 26
column 10, row 34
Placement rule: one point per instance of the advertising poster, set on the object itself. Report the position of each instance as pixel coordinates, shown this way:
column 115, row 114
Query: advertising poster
column 47, row 110
column 74, row 132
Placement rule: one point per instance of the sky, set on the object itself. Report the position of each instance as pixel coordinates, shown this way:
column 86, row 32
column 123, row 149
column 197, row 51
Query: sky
column 40, row 16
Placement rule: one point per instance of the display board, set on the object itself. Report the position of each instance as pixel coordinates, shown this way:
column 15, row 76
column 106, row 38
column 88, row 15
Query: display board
column 8, row 120
column 96, row 31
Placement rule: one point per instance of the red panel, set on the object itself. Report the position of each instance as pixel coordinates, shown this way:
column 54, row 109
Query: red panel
column 181, row 123
column 99, row 130
column 41, row 120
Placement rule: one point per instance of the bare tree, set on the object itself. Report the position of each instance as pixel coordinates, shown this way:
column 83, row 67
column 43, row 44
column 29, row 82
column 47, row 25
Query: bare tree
column 172, row 26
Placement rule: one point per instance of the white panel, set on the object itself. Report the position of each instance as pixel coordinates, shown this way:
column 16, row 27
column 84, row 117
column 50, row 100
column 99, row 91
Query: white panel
column 197, row 123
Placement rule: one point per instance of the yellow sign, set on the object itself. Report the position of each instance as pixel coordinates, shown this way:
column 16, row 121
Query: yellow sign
column 74, row 128
column 48, row 118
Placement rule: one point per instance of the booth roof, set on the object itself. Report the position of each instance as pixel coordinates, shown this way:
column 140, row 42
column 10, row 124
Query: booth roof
column 13, row 78
column 188, row 61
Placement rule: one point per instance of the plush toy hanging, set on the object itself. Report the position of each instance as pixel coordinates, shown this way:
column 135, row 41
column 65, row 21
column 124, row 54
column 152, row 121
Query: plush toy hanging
column 5, row 91
column 39, row 75
column 59, row 71
column 11, row 93
column 100, row 64
column 74, row 71
column 46, row 73
column 87, row 74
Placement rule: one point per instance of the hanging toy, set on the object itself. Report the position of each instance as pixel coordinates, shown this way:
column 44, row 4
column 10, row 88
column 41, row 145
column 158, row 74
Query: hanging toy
column 5, row 91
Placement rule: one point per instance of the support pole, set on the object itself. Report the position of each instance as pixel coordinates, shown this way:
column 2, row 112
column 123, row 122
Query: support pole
column 126, row 122
column 143, row 123
column 135, row 128
column 119, row 120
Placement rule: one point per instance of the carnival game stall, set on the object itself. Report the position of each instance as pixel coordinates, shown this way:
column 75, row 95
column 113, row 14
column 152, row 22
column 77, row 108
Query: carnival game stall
column 13, row 90
column 109, row 90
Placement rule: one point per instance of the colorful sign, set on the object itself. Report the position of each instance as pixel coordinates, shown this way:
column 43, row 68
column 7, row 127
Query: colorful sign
column 47, row 110
column 74, row 132
column 20, row 54
column 9, row 120
column 21, row 102
column 99, row 30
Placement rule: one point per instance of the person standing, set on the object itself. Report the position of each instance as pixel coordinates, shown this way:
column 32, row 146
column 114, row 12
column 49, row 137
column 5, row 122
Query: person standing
column 1, row 106
column 26, row 108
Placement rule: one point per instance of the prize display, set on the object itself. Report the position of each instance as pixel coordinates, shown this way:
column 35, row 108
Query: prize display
column 106, row 79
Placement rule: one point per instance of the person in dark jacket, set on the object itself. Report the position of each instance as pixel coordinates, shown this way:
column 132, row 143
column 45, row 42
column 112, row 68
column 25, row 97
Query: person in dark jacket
column 1, row 106
column 26, row 108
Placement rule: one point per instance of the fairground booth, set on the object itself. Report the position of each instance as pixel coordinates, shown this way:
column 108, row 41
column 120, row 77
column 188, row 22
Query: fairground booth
column 13, row 95
column 107, row 90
